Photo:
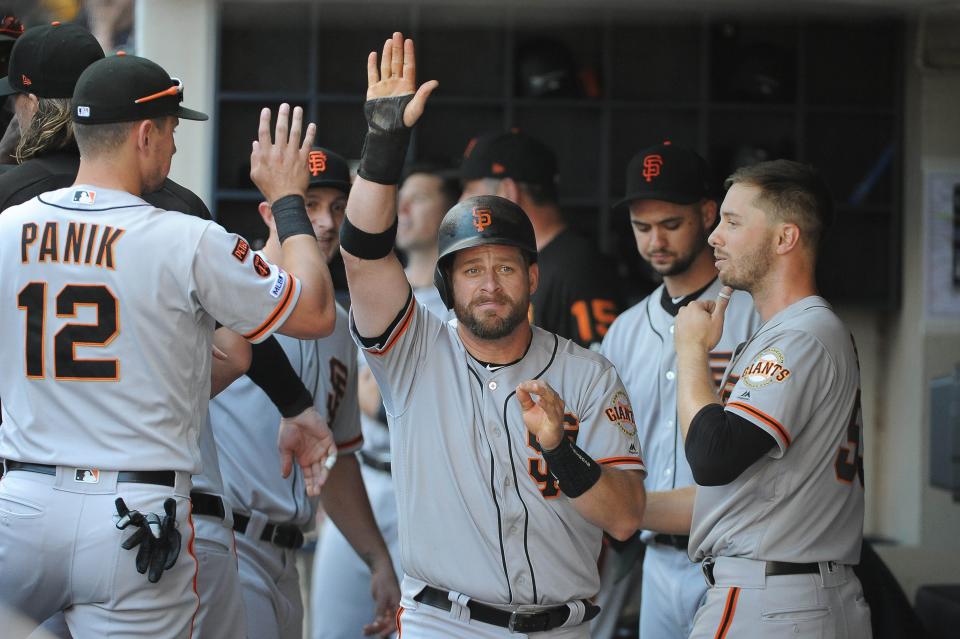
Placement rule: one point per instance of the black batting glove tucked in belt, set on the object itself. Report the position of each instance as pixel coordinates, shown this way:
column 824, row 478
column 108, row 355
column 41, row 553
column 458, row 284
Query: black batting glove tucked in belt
column 158, row 538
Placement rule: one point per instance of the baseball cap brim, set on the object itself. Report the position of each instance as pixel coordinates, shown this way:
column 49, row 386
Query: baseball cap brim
column 6, row 88
column 189, row 114
column 664, row 196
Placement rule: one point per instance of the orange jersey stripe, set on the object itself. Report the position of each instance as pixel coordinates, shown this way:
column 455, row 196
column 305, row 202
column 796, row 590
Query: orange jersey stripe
column 614, row 461
column 352, row 442
column 196, row 567
column 770, row 421
column 729, row 610
column 278, row 312
column 399, row 625
column 399, row 332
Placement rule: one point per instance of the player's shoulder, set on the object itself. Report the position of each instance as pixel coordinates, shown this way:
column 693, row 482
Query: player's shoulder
column 569, row 353
column 175, row 197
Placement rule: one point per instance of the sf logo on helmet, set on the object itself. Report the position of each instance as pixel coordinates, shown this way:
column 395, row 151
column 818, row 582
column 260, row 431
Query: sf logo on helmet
column 317, row 162
column 481, row 219
column 651, row 166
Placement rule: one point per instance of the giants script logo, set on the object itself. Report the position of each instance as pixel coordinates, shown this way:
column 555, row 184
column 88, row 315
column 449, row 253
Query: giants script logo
column 317, row 162
column 481, row 219
column 651, row 166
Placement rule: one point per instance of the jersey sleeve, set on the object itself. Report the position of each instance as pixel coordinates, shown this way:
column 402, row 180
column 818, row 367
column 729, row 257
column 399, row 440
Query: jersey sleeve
column 397, row 358
column 608, row 430
column 781, row 385
column 239, row 287
column 345, row 420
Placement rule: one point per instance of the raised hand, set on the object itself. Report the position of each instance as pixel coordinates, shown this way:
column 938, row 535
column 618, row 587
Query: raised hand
column 700, row 324
column 307, row 438
column 278, row 166
column 543, row 415
column 397, row 76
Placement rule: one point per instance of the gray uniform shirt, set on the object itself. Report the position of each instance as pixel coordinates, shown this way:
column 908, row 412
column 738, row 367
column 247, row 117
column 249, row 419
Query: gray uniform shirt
column 479, row 512
column 798, row 379
column 107, row 323
column 245, row 425
column 640, row 345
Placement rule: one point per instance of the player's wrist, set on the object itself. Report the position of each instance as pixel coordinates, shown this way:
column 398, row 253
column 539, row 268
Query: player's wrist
column 574, row 469
column 290, row 216
column 385, row 146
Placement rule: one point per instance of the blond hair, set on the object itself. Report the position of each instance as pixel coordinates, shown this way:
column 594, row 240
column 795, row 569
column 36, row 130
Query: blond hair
column 50, row 129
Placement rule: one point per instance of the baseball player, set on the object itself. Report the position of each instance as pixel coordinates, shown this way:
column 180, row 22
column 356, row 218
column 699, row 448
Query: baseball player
column 271, row 513
column 106, row 355
column 778, row 516
column 513, row 449
column 578, row 297
column 340, row 603
column 672, row 212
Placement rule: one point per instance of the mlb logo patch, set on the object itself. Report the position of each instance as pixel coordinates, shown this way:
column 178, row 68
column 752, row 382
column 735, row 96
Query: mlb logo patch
column 87, row 475
column 83, row 112
column 84, row 197
column 278, row 284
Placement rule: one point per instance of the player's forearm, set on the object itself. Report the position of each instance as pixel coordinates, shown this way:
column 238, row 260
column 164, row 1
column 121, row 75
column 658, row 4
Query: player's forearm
column 670, row 511
column 315, row 313
column 225, row 371
column 345, row 501
column 615, row 503
column 694, row 386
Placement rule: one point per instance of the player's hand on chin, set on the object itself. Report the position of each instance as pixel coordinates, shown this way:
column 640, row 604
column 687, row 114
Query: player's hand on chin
column 542, row 412
column 699, row 324
column 307, row 439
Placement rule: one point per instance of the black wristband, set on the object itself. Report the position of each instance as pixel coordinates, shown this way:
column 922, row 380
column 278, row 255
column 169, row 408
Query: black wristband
column 290, row 217
column 367, row 246
column 385, row 147
column 271, row 371
column 573, row 468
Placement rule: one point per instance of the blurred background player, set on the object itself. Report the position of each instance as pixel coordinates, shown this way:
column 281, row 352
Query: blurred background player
column 577, row 297
column 271, row 513
column 340, row 599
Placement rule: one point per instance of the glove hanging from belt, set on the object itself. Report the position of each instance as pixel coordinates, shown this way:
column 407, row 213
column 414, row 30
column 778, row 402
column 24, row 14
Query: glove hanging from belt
column 158, row 538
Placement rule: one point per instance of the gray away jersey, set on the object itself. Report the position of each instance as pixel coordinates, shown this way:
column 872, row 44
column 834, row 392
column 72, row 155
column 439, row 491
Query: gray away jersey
column 245, row 425
column 640, row 345
column 107, row 310
column 798, row 379
column 479, row 512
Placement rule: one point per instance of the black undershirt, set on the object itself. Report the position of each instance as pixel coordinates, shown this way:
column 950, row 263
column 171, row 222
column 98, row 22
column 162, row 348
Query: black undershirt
column 721, row 445
column 671, row 307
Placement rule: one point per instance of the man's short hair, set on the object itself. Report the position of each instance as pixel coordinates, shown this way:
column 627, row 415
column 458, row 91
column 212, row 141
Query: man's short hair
column 97, row 139
column 791, row 192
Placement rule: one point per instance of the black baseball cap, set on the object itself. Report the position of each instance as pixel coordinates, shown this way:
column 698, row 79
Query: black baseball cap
column 669, row 173
column 127, row 88
column 47, row 60
column 510, row 154
column 328, row 169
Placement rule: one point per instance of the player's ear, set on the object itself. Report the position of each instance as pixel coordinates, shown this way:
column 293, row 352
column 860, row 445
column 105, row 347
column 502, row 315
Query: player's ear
column 145, row 133
column 708, row 214
column 788, row 238
column 266, row 214
column 533, row 272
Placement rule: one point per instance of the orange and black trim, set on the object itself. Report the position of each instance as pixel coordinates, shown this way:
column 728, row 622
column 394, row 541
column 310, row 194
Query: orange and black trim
column 286, row 299
column 766, row 419
column 399, row 331
column 350, row 443
column 616, row 461
column 399, row 625
column 729, row 610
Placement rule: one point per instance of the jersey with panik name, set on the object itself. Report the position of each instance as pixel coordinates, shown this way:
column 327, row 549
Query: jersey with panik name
column 479, row 512
column 107, row 311
column 798, row 379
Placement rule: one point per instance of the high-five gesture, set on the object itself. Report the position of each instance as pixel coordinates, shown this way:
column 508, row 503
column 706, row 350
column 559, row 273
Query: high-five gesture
column 278, row 166
column 397, row 76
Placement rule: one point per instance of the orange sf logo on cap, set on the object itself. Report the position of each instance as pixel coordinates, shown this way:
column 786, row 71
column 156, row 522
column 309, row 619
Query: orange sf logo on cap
column 481, row 219
column 317, row 162
column 26, row 81
column 651, row 166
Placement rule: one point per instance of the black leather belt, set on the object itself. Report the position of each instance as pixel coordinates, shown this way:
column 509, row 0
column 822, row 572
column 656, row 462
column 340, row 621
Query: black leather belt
column 283, row 535
column 772, row 569
column 207, row 504
column 525, row 622
column 680, row 542
column 375, row 463
column 158, row 477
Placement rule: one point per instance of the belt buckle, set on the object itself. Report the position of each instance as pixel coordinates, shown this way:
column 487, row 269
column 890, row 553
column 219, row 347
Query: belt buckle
column 527, row 622
column 707, row 567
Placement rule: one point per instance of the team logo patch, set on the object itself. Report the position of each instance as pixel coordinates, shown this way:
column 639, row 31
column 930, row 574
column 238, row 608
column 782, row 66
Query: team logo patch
column 84, row 197
column 241, row 249
column 83, row 112
column 651, row 166
column 317, row 162
column 277, row 287
column 766, row 369
column 87, row 475
column 620, row 413
column 482, row 218
column 260, row 266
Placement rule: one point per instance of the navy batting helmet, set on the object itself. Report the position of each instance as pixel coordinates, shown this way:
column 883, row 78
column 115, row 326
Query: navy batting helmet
column 477, row 221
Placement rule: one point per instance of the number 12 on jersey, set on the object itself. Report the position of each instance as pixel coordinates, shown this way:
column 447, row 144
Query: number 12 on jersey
column 33, row 300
